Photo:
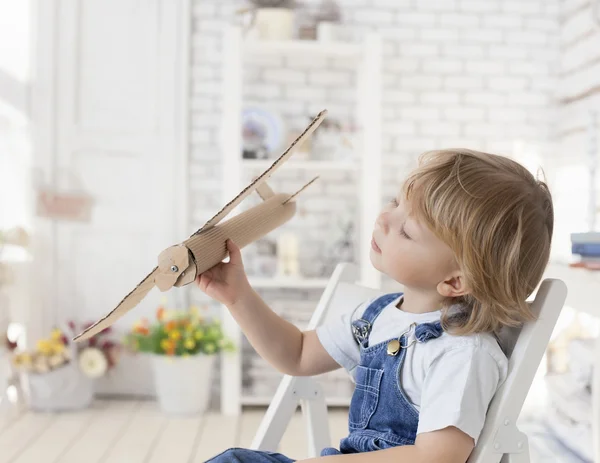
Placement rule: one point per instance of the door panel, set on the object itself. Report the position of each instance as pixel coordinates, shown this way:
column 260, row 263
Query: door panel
column 117, row 139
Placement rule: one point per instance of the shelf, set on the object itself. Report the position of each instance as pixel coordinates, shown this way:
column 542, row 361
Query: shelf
column 364, row 165
column 288, row 283
column 317, row 166
column 259, row 401
column 302, row 47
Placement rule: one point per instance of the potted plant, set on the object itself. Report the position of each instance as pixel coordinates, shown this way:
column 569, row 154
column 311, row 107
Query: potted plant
column 183, row 345
column 52, row 379
column 98, row 355
column 58, row 374
column 272, row 19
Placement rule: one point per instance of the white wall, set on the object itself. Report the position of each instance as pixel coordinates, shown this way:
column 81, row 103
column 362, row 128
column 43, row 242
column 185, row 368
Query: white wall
column 578, row 93
column 456, row 73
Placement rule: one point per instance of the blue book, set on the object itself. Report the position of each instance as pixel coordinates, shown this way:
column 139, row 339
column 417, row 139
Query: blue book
column 586, row 249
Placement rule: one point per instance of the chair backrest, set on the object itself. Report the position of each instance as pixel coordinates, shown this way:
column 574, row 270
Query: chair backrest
column 341, row 292
column 524, row 348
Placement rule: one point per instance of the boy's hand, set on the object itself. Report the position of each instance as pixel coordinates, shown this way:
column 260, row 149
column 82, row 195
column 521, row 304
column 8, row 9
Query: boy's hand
column 226, row 282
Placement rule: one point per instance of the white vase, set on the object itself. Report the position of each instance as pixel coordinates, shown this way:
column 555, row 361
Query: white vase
column 65, row 388
column 274, row 23
column 328, row 31
column 183, row 383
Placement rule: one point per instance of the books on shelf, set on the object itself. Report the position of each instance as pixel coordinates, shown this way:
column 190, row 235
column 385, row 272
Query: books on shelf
column 587, row 247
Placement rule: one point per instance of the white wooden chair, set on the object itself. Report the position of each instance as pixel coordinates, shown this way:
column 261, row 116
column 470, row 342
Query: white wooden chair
column 500, row 439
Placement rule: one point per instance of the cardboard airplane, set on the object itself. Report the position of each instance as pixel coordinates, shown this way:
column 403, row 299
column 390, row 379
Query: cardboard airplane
column 180, row 264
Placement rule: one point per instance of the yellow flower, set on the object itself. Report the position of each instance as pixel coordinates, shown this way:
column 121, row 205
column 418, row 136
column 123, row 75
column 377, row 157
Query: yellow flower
column 57, row 347
column 199, row 335
column 210, row 348
column 56, row 334
column 166, row 344
column 44, row 347
column 189, row 344
column 175, row 335
column 185, row 354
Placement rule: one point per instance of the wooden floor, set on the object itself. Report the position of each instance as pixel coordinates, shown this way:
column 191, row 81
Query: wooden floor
column 119, row 431
column 125, row 431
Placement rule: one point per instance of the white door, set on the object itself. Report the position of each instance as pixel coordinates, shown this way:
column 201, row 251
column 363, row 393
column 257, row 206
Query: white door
column 120, row 72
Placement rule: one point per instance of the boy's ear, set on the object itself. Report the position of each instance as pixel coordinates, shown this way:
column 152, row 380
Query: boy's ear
column 453, row 286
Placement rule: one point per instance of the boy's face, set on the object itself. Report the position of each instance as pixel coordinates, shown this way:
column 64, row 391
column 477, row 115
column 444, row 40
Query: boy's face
column 408, row 251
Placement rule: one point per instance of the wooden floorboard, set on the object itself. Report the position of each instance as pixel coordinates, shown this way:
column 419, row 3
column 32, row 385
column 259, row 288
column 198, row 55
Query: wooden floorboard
column 139, row 437
column 177, row 442
column 66, row 428
column 23, row 434
column 249, row 422
column 95, row 442
column 218, row 433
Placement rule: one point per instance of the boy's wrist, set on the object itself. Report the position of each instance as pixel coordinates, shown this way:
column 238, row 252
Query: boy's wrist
column 244, row 298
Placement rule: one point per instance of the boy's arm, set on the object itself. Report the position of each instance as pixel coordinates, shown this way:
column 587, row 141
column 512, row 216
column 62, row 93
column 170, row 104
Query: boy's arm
column 278, row 341
column 448, row 445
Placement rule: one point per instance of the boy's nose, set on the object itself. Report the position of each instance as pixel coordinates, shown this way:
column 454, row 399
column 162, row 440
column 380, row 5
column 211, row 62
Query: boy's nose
column 383, row 222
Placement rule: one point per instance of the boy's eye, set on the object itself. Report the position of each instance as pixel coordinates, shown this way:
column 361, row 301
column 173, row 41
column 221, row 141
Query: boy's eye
column 403, row 233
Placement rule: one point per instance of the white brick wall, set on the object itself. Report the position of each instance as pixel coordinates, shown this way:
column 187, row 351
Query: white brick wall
column 473, row 73
column 579, row 78
column 578, row 92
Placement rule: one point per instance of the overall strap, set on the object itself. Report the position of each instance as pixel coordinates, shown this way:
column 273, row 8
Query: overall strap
column 426, row 331
column 362, row 327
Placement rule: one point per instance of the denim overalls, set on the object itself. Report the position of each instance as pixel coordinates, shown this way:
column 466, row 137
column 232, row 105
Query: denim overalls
column 381, row 416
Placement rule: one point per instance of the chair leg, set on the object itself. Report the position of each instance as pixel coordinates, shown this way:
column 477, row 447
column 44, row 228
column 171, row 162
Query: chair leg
column 521, row 457
column 317, row 425
column 278, row 415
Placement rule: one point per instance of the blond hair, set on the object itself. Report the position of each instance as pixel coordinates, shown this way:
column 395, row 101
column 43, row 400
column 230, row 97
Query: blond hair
column 498, row 219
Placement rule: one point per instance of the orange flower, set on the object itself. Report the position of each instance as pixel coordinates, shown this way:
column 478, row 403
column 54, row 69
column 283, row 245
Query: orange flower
column 143, row 330
column 141, row 327
column 160, row 313
column 170, row 326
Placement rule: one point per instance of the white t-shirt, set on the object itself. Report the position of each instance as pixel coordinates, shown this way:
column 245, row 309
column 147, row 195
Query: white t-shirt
column 450, row 380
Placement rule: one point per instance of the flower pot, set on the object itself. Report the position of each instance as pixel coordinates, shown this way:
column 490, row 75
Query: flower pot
column 65, row 388
column 274, row 23
column 183, row 383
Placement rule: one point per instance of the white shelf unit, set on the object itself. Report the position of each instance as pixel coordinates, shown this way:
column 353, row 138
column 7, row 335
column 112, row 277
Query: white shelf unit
column 368, row 58
column 313, row 166
column 288, row 283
